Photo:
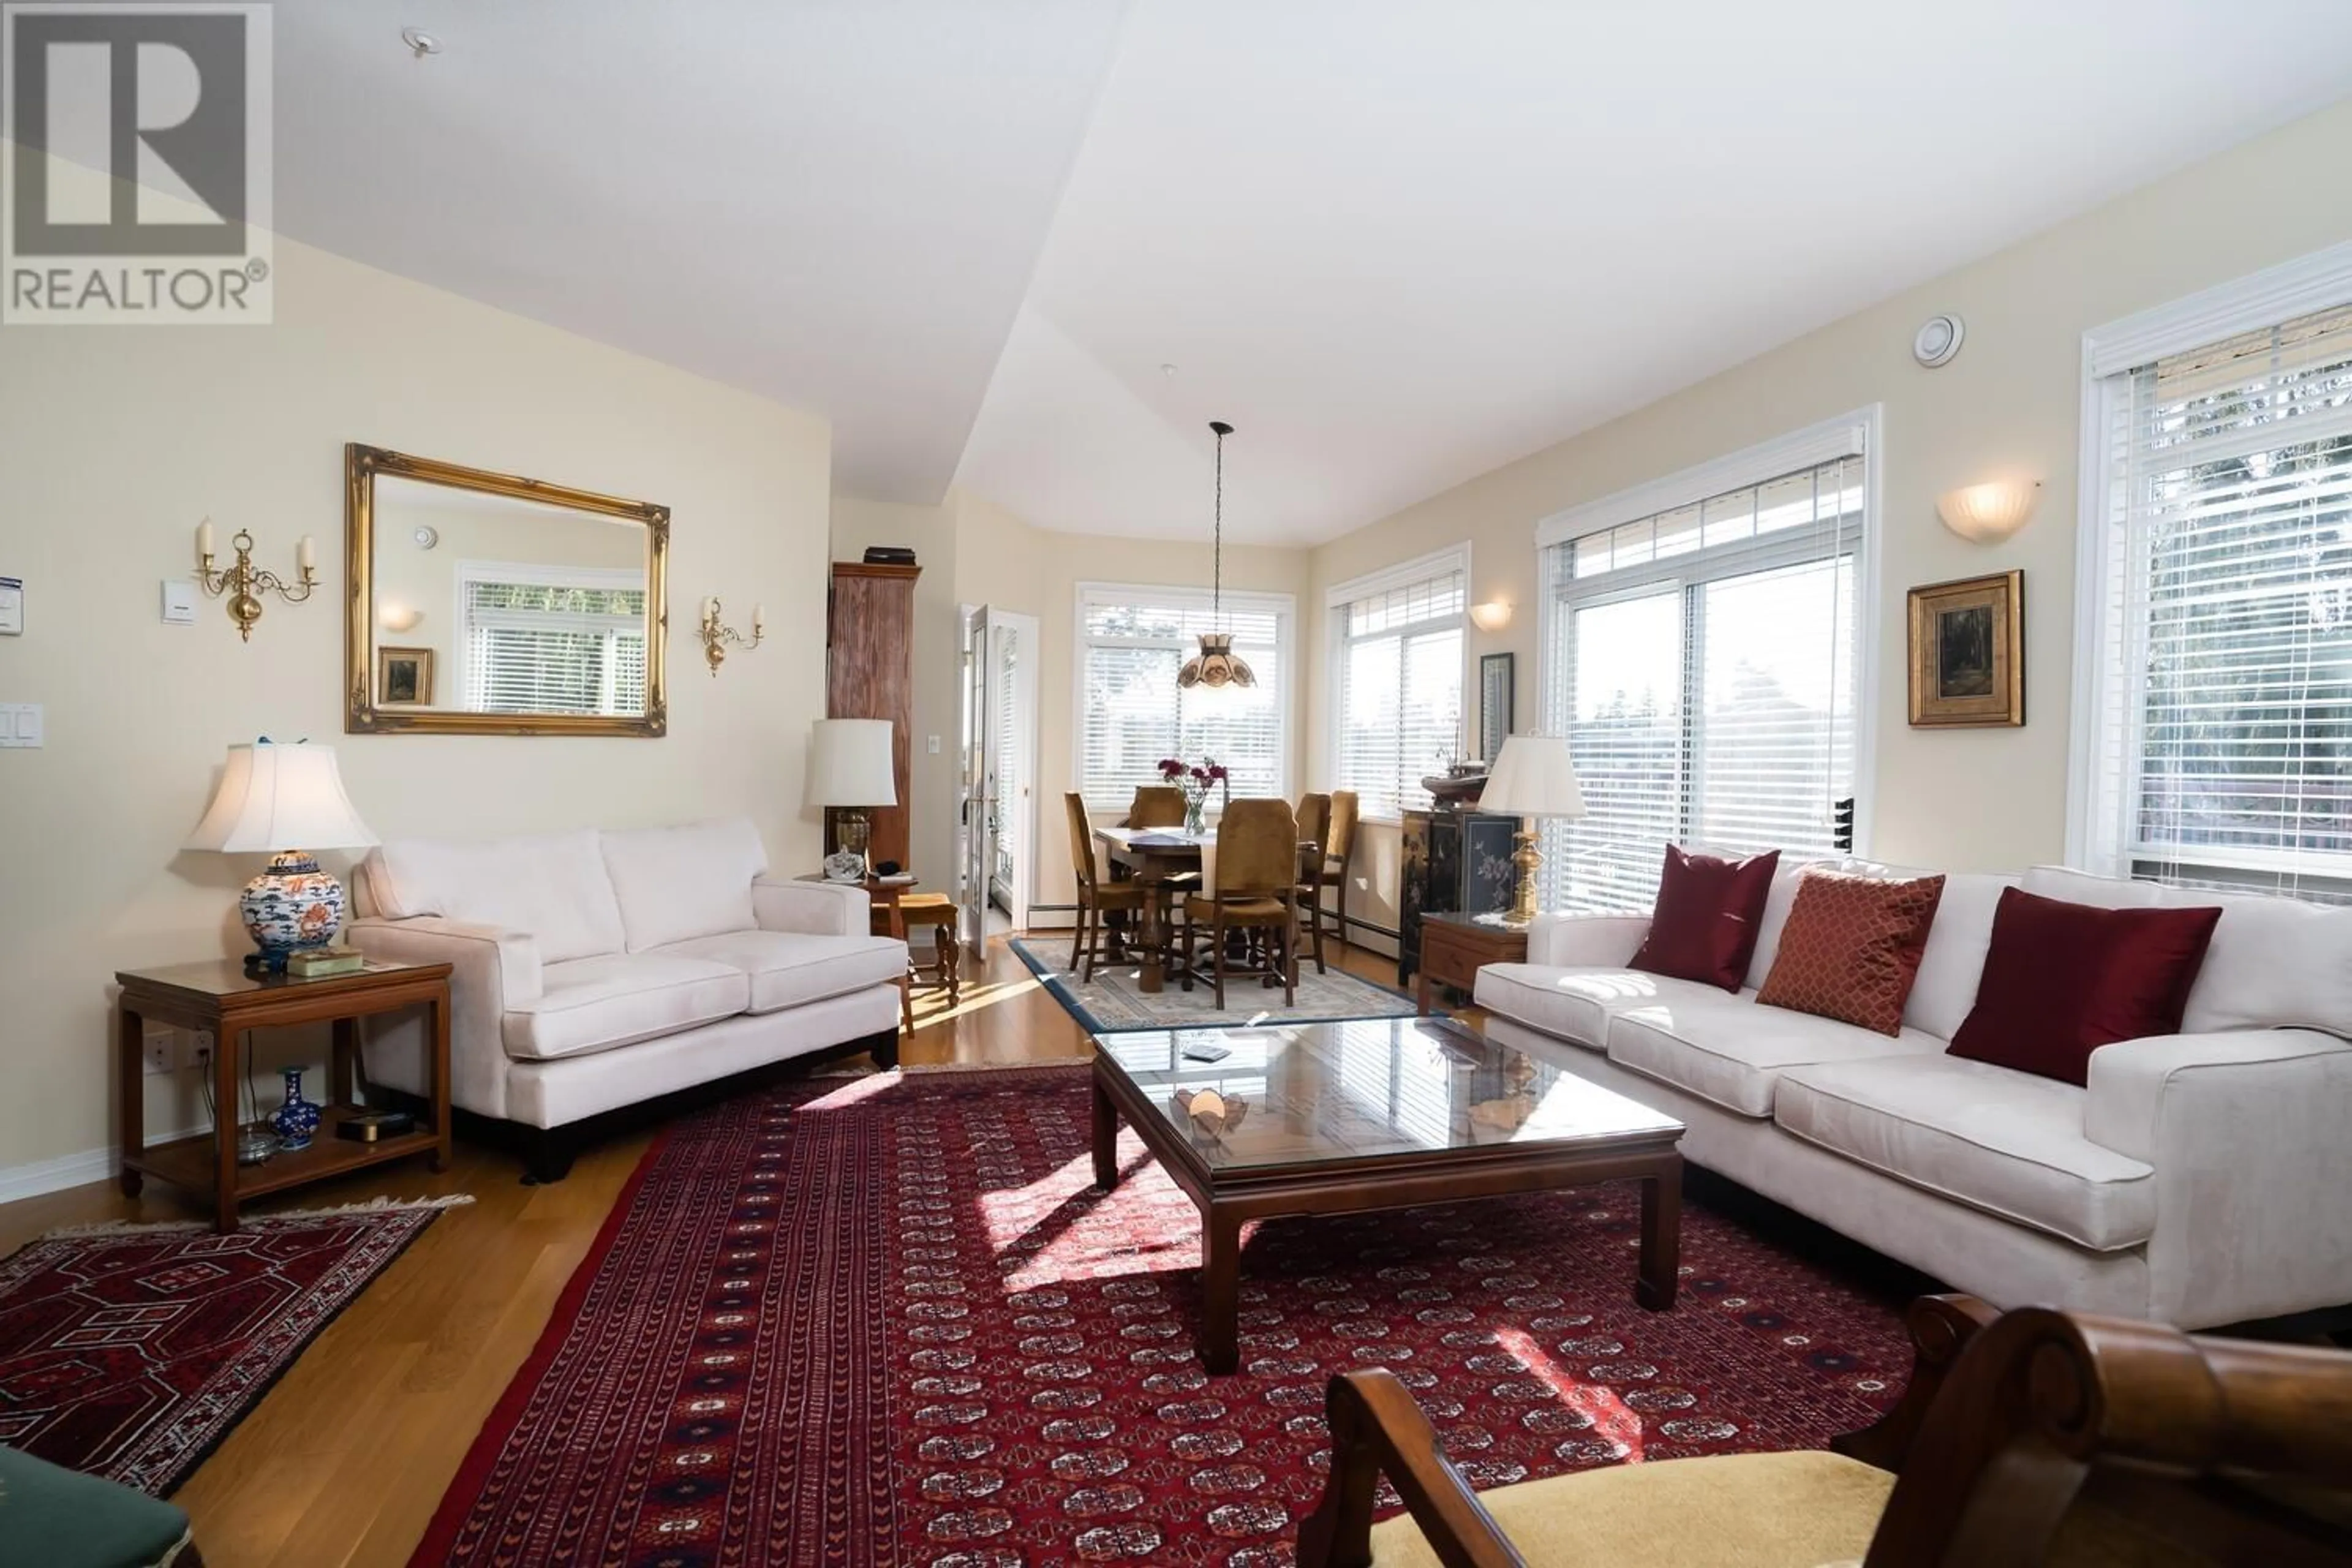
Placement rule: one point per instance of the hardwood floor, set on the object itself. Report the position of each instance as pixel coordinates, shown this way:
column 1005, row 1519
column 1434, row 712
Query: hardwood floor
column 344, row 1462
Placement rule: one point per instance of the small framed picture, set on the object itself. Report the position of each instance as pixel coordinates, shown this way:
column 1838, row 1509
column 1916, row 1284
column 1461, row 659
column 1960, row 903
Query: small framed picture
column 404, row 677
column 1967, row 653
column 1496, row 699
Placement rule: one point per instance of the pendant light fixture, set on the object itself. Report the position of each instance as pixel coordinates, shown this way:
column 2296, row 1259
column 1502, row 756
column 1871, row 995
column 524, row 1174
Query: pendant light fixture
column 1216, row 666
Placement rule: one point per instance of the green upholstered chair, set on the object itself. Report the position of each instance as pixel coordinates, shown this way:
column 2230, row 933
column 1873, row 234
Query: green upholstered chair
column 56, row 1518
column 2032, row 1438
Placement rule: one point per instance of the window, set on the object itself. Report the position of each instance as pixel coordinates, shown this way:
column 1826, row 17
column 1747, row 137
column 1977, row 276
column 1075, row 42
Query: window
column 536, row 641
column 1132, row 641
column 2218, row 622
column 1701, row 660
column 1397, row 653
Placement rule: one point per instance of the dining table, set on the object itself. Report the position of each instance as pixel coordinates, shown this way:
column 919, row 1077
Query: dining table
column 1154, row 857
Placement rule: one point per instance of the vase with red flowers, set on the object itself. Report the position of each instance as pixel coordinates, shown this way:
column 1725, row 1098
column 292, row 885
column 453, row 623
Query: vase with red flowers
column 1196, row 780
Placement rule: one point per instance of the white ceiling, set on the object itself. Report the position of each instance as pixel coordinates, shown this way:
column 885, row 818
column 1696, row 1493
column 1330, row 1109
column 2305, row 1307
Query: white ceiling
column 837, row 203
column 1394, row 243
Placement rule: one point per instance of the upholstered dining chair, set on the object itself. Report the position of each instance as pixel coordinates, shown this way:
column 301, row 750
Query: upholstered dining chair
column 1339, row 842
column 1096, row 895
column 1254, row 886
column 2037, row 1437
column 1156, row 806
column 1314, row 833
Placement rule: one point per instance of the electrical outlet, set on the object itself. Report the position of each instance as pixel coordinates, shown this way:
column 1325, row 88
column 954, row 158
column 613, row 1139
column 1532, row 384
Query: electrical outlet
column 196, row 1048
column 159, row 1048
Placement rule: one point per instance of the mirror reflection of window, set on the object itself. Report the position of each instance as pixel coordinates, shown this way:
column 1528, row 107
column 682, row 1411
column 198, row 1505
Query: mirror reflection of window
column 525, row 607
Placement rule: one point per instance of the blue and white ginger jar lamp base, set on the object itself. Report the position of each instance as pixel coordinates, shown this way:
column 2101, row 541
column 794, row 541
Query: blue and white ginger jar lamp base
column 291, row 906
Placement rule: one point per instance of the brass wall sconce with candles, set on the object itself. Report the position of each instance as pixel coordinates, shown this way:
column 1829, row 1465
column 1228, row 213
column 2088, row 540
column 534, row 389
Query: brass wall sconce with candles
column 716, row 636
column 244, row 583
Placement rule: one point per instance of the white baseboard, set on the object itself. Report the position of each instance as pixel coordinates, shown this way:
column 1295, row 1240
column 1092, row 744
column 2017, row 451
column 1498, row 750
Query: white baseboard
column 71, row 1169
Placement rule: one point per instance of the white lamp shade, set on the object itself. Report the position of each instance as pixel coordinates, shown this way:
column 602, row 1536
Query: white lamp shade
column 849, row 763
column 1533, row 777
column 281, row 797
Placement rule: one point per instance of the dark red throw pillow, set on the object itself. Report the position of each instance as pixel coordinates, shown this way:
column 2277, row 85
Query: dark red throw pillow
column 1708, row 910
column 1851, row 948
column 2061, row 980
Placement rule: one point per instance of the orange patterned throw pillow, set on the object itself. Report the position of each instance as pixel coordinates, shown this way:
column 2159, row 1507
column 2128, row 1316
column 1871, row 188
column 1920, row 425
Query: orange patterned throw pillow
column 1851, row 949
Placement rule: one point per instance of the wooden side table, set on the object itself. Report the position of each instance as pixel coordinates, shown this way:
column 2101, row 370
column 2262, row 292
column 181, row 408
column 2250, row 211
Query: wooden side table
column 223, row 997
column 1453, row 947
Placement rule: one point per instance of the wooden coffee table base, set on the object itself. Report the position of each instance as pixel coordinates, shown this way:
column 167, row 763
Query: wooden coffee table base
column 1228, row 1200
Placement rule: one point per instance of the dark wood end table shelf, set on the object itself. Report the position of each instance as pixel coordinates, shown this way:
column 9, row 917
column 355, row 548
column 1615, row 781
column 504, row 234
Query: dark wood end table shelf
column 1455, row 947
column 223, row 997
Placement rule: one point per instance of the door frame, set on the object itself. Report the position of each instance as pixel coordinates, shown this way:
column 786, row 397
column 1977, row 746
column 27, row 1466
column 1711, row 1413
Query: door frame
column 987, row 621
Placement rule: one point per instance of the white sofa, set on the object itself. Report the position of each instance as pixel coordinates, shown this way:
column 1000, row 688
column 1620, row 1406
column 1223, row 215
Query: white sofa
column 2201, row 1179
column 594, row 971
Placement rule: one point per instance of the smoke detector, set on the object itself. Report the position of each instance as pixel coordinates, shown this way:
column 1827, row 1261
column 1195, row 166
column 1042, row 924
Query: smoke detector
column 1938, row 341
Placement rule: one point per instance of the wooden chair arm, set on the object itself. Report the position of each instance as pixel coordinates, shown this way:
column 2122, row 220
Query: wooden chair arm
column 1376, row 1429
column 1941, row 1328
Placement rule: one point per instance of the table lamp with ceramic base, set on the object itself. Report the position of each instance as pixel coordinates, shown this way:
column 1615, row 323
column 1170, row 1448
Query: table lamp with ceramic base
column 850, row 769
column 1532, row 779
column 271, row 797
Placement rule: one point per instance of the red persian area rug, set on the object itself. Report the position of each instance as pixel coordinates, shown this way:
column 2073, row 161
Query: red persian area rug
column 890, row 1322
column 129, row 1352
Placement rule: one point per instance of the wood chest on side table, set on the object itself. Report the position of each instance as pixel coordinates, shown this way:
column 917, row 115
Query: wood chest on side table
column 1453, row 947
column 1453, row 862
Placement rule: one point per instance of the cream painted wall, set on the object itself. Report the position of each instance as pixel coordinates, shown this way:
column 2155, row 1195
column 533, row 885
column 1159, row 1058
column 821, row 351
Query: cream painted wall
column 1002, row 561
column 2009, row 403
column 114, row 442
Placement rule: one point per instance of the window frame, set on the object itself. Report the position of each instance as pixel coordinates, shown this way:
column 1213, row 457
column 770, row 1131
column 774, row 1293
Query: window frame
column 1284, row 608
column 1860, row 432
column 530, row 575
column 1336, row 642
column 2111, row 354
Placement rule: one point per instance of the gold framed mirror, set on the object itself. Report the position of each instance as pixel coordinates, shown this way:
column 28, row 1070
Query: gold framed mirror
column 481, row 603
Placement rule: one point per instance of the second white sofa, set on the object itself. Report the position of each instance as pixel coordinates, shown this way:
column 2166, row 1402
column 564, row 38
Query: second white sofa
column 2198, row 1179
column 595, row 970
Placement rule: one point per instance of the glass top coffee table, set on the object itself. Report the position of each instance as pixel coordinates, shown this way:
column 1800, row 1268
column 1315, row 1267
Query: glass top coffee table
column 1338, row 1118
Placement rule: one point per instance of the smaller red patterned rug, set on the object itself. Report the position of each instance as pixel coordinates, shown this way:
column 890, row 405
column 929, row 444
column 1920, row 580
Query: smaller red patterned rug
column 129, row 1352
column 890, row 1322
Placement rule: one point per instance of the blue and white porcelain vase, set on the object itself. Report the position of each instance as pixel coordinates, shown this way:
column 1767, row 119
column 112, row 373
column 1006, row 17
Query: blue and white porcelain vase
column 297, row 1119
column 291, row 906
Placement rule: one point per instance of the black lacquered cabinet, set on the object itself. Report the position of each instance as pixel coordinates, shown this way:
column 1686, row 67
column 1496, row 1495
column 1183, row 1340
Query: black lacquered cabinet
column 1453, row 862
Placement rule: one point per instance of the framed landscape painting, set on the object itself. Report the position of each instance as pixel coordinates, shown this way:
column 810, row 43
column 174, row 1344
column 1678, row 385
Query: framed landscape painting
column 1967, row 653
column 1495, row 703
column 404, row 677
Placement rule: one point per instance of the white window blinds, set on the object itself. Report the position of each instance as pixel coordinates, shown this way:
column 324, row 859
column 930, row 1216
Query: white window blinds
column 2222, row 724
column 1131, row 712
column 1397, row 672
column 553, row 647
column 1701, row 663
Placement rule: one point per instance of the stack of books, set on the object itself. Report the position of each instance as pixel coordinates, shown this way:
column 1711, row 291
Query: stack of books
column 313, row 961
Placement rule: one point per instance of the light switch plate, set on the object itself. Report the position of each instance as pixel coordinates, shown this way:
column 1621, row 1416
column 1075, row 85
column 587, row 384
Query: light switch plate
column 20, row 724
column 935, row 745
column 179, row 602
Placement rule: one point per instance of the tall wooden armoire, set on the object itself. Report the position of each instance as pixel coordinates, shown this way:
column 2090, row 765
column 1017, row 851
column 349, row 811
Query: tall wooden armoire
column 870, row 674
